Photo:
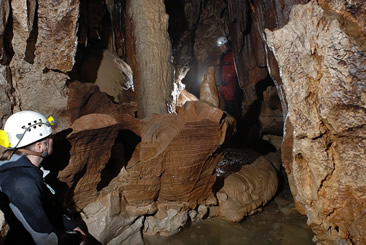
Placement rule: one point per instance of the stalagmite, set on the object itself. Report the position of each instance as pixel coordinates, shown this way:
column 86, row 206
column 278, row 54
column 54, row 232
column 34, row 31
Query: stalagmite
column 149, row 55
column 208, row 91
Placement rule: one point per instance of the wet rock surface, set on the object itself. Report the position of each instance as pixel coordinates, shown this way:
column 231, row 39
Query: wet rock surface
column 279, row 223
column 233, row 161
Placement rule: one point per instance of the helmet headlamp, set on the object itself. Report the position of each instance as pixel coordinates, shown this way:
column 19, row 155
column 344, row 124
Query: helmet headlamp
column 4, row 139
column 52, row 121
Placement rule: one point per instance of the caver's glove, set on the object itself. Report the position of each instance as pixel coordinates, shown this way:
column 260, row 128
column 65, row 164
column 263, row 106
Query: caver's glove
column 68, row 220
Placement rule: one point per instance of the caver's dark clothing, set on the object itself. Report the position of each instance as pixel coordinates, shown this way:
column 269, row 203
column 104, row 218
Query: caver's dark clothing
column 27, row 204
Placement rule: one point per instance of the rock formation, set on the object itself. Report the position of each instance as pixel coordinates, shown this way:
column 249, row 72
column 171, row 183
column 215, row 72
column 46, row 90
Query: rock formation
column 149, row 171
column 5, row 88
column 4, row 227
column 208, row 91
column 113, row 76
column 315, row 58
column 44, row 48
column 149, row 51
column 246, row 191
column 322, row 60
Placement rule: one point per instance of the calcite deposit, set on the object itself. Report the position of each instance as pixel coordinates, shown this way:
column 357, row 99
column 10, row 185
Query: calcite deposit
column 44, row 44
column 149, row 54
column 151, row 170
column 246, row 191
column 4, row 227
column 5, row 104
column 127, row 164
column 208, row 91
column 322, row 61
column 111, row 74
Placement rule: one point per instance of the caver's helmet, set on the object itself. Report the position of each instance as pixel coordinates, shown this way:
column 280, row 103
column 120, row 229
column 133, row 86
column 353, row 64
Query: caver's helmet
column 221, row 41
column 24, row 128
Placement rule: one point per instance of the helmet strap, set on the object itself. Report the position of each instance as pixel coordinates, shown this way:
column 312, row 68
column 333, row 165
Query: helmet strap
column 34, row 153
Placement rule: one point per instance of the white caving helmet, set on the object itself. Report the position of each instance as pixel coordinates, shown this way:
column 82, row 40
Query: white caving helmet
column 221, row 41
column 24, row 128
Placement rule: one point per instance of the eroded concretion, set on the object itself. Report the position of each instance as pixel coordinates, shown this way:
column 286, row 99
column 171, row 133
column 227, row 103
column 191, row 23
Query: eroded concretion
column 322, row 64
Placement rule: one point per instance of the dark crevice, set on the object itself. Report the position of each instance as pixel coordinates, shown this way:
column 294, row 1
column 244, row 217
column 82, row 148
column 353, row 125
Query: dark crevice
column 95, row 28
column 7, row 51
column 248, row 134
column 32, row 39
column 121, row 153
column 177, row 21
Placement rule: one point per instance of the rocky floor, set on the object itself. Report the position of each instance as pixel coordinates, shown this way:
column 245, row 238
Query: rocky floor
column 279, row 223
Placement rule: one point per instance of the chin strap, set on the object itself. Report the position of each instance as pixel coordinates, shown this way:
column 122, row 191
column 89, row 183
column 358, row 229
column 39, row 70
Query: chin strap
column 42, row 154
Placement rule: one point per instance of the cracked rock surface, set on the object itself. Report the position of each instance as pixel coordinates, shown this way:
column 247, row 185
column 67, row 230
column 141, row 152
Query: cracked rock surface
column 323, row 64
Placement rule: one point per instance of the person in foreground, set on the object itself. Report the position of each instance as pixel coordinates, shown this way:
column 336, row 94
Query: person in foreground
column 26, row 200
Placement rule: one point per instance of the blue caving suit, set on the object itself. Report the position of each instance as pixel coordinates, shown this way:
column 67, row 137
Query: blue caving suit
column 27, row 204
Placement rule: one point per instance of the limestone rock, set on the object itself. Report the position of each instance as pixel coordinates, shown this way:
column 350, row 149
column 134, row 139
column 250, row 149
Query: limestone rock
column 30, row 81
column 57, row 34
column 55, row 38
column 86, row 156
column 140, row 162
column 247, row 190
column 4, row 227
column 208, row 92
column 185, row 96
column 167, row 221
column 5, row 102
column 159, row 156
column 270, row 117
column 149, row 54
column 354, row 11
column 112, row 75
column 86, row 98
column 4, row 14
column 274, row 140
column 321, row 57
column 43, row 53
column 23, row 19
column 107, row 224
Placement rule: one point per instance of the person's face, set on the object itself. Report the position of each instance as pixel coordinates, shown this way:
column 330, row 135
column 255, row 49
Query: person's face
column 45, row 145
column 49, row 142
column 223, row 48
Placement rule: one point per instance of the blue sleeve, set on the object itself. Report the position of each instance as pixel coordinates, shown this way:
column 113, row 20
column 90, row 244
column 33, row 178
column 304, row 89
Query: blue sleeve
column 25, row 201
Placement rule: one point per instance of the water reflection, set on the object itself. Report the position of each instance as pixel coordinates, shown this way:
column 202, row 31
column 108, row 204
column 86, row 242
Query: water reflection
column 279, row 223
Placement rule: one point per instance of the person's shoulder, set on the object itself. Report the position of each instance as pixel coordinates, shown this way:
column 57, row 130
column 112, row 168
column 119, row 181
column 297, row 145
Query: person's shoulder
column 19, row 178
column 21, row 187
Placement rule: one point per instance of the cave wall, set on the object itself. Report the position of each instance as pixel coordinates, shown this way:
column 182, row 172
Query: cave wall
column 44, row 45
column 315, row 57
column 322, row 60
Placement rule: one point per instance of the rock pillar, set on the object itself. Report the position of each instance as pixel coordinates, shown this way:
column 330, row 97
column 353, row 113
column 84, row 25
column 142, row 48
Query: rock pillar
column 149, row 55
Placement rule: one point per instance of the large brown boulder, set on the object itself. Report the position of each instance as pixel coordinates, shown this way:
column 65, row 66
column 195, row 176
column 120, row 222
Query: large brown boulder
column 246, row 191
column 124, row 168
